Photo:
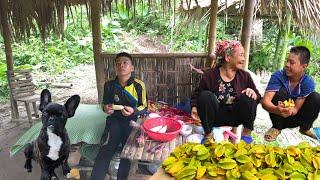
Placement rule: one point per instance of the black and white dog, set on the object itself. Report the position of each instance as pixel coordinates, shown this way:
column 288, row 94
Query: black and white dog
column 51, row 148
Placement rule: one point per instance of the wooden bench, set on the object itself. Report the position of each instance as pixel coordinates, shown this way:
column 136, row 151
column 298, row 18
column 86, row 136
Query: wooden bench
column 141, row 155
column 22, row 89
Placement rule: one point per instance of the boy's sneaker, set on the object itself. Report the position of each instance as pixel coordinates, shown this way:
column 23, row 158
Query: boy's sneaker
column 247, row 139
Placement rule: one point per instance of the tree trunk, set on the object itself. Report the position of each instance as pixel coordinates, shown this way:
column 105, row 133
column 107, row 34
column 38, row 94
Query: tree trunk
column 246, row 28
column 96, row 35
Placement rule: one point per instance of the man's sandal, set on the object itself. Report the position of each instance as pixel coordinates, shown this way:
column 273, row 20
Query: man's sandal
column 271, row 134
column 311, row 134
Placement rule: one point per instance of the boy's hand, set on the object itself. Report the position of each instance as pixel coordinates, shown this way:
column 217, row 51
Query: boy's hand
column 194, row 114
column 108, row 109
column 250, row 93
column 127, row 111
column 283, row 111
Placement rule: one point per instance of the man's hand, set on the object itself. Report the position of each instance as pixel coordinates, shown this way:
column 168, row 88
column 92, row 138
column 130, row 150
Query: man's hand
column 108, row 109
column 250, row 93
column 127, row 111
column 194, row 114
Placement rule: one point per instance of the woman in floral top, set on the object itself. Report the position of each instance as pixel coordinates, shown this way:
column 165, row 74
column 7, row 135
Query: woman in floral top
column 226, row 95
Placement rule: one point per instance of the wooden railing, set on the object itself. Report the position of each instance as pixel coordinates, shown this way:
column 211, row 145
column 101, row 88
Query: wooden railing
column 167, row 76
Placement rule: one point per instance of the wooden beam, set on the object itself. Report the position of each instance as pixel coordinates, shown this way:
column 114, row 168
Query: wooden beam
column 157, row 55
column 213, row 29
column 96, row 42
column 246, row 28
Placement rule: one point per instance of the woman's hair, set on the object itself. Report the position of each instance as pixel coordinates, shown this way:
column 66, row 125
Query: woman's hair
column 225, row 48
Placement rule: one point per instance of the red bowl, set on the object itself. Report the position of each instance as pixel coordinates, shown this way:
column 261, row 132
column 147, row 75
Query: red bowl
column 173, row 128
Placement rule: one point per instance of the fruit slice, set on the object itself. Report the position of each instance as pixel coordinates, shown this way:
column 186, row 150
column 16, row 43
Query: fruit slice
column 117, row 107
column 156, row 128
column 163, row 129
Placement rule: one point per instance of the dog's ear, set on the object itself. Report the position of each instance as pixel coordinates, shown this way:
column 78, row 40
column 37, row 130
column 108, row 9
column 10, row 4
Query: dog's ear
column 72, row 104
column 45, row 99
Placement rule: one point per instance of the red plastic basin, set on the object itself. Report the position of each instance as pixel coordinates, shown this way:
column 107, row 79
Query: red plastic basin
column 173, row 128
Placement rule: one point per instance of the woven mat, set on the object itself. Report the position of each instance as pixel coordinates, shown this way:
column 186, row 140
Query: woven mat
column 87, row 126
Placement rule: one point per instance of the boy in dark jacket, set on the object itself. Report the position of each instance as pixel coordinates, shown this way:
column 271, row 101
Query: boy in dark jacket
column 130, row 94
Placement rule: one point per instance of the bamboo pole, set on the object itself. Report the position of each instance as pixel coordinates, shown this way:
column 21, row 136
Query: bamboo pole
column 8, row 50
column 212, row 30
column 96, row 42
column 284, row 47
column 276, row 53
column 246, row 28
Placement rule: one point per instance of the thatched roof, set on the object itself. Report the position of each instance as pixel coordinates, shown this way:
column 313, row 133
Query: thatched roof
column 306, row 13
column 190, row 5
column 43, row 15
column 48, row 15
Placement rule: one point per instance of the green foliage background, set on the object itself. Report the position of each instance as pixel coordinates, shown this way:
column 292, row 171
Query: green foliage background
column 179, row 33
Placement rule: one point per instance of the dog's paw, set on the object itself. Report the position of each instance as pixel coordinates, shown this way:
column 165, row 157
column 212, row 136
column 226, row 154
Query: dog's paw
column 68, row 176
column 28, row 167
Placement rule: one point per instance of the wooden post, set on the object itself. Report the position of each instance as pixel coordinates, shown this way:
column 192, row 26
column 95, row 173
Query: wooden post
column 246, row 28
column 61, row 18
column 213, row 29
column 96, row 35
column 6, row 33
column 8, row 49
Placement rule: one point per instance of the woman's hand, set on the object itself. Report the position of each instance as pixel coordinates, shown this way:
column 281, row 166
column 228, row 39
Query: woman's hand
column 108, row 109
column 127, row 111
column 250, row 93
column 194, row 114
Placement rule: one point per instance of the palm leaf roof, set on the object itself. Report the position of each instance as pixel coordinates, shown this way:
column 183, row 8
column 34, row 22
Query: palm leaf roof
column 48, row 15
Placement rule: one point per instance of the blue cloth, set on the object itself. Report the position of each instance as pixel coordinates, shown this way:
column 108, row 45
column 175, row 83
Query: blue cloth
column 184, row 106
column 316, row 131
column 280, row 79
